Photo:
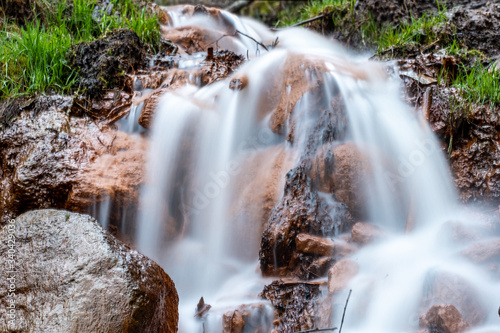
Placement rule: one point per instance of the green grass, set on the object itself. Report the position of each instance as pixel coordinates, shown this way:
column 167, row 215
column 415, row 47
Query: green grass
column 479, row 85
column 33, row 57
column 421, row 31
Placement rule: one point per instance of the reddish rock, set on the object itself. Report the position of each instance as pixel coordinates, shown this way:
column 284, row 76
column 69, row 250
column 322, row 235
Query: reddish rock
column 340, row 275
column 52, row 160
column 445, row 317
column 341, row 170
column 364, row 233
column 72, row 276
column 310, row 244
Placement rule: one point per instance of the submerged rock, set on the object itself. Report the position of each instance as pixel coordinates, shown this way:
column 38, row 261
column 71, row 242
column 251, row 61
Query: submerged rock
column 72, row 276
column 340, row 275
column 364, row 233
column 248, row 318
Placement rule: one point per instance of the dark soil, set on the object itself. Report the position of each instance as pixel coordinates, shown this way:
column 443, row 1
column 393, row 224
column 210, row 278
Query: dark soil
column 17, row 10
column 104, row 62
column 477, row 28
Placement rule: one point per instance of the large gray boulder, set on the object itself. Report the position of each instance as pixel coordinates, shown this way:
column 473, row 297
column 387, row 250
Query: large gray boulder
column 71, row 276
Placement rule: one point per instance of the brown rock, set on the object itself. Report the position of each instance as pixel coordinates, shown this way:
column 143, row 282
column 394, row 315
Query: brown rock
column 445, row 317
column 340, row 275
column 75, row 277
column 364, row 233
column 310, row 244
column 483, row 251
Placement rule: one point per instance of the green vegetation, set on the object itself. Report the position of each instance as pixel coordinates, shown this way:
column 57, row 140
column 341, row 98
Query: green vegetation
column 479, row 85
column 33, row 58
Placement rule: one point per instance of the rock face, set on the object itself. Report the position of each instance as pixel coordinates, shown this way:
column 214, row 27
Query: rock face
column 301, row 210
column 444, row 317
column 51, row 160
column 296, row 305
column 75, row 277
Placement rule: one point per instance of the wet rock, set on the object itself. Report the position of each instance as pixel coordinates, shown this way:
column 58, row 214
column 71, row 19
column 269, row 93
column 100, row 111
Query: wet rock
column 117, row 174
column 102, row 64
column 445, row 317
column 350, row 169
column 150, row 104
column 301, row 210
column 296, row 305
column 483, row 251
column 447, row 288
column 476, row 27
column 248, row 318
column 310, row 244
column 364, row 233
column 340, row 275
column 76, row 277
column 222, row 65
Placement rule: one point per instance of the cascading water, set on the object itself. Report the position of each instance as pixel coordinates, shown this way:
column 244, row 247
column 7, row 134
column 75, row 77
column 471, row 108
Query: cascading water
column 206, row 141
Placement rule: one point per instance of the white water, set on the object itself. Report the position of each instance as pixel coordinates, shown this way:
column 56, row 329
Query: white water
column 202, row 138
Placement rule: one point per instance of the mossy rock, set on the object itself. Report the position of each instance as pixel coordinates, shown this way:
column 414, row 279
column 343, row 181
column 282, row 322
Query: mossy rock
column 104, row 62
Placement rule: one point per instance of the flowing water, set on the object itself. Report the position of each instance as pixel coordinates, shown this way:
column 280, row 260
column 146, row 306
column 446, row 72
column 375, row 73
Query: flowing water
column 214, row 155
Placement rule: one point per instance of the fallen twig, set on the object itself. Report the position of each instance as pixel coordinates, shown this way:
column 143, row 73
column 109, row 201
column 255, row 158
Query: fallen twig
column 345, row 307
column 318, row 330
column 234, row 35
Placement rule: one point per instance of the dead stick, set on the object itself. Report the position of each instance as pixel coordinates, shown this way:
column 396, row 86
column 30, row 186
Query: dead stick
column 318, row 330
column 345, row 307
column 258, row 43
column 304, row 22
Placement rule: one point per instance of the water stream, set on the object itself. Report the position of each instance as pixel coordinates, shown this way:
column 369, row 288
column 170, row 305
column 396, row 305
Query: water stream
column 214, row 153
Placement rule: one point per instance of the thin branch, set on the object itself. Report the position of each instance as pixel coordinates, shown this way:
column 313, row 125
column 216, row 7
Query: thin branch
column 319, row 330
column 241, row 33
column 345, row 307
column 303, row 22
column 258, row 43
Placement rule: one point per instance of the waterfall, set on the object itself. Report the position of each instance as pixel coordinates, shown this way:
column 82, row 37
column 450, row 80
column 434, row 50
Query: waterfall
column 217, row 150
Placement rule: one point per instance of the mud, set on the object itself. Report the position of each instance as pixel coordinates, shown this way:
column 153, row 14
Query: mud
column 477, row 28
column 102, row 64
